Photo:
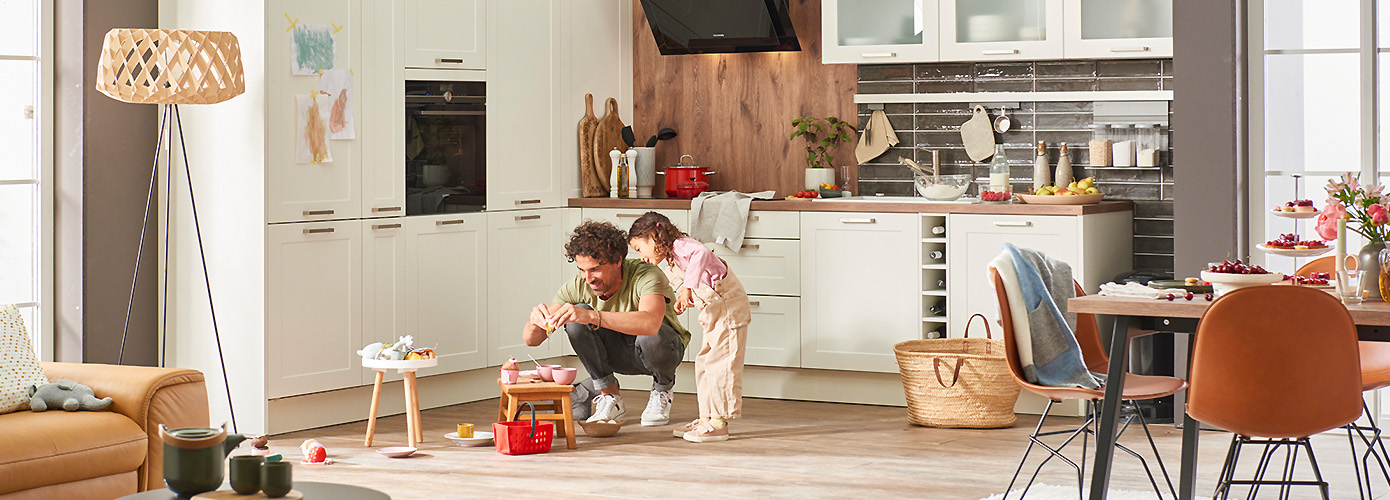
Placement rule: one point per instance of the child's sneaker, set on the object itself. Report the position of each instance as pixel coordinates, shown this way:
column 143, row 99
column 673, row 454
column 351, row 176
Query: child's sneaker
column 607, row 407
column 689, row 426
column 706, row 432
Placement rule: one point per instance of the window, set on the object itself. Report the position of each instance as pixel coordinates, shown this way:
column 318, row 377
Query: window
column 26, row 166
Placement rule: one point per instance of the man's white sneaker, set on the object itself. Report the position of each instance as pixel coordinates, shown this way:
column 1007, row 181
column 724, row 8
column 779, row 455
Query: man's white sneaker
column 607, row 407
column 658, row 410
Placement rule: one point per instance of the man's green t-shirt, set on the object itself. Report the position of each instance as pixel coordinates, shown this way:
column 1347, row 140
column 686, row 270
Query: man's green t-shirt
column 639, row 279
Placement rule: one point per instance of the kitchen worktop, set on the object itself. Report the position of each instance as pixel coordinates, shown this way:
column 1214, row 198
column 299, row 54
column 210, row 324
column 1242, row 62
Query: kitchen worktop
column 869, row 206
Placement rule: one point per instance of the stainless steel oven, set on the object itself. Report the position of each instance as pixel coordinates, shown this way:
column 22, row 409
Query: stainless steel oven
column 445, row 143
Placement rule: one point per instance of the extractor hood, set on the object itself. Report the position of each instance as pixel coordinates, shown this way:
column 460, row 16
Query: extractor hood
column 720, row 26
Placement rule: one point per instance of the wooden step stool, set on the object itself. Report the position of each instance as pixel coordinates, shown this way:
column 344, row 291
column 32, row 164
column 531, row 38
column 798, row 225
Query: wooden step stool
column 551, row 396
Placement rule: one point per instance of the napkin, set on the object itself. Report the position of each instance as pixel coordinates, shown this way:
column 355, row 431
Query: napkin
column 1138, row 291
column 878, row 136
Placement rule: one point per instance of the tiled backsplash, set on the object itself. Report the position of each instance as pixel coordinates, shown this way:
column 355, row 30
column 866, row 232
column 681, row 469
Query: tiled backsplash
column 935, row 126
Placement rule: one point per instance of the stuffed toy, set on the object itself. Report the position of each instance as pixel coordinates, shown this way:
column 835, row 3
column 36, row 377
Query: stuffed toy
column 65, row 394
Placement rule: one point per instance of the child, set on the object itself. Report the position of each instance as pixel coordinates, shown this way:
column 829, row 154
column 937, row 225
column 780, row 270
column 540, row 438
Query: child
column 703, row 280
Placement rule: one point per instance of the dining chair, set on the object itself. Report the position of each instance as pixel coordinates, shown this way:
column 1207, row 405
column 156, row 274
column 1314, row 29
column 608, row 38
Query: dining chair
column 1137, row 388
column 1258, row 372
column 1375, row 374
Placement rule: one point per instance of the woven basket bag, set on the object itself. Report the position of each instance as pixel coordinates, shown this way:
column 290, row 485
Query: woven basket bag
column 960, row 383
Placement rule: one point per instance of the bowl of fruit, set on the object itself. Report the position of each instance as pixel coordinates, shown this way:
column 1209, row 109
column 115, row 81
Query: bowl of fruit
column 1225, row 276
column 1082, row 192
column 948, row 187
column 828, row 190
column 996, row 197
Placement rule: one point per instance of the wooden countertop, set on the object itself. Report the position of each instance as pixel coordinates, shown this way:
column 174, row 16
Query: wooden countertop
column 868, row 206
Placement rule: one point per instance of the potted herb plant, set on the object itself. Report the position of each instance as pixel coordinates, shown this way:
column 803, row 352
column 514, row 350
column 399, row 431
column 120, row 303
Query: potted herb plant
column 822, row 136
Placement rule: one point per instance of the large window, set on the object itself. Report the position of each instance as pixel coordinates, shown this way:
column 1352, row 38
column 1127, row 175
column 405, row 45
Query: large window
column 26, row 165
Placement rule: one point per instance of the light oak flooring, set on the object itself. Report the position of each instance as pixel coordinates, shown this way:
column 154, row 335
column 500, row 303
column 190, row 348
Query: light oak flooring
column 780, row 449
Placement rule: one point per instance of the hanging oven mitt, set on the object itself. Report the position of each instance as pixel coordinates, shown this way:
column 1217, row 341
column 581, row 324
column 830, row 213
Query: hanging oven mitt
column 878, row 136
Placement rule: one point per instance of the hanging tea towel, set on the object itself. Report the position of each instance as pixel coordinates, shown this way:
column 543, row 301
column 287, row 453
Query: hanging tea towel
column 878, row 136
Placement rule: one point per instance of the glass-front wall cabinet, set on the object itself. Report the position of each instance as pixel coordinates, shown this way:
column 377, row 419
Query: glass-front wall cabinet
column 985, row 30
column 879, row 31
column 1098, row 29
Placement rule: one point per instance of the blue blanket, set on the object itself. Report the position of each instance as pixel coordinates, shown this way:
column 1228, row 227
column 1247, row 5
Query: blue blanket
column 1052, row 356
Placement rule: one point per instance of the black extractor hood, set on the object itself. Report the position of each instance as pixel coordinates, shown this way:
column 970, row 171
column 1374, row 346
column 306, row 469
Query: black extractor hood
column 720, row 26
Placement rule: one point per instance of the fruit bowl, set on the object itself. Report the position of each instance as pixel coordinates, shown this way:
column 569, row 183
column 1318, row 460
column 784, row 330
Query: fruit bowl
column 826, row 193
column 1225, row 282
column 602, row 429
column 1052, row 199
column 948, row 187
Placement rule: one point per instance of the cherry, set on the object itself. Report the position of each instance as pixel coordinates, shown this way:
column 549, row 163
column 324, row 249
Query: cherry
column 1188, row 296
column 1171, row 297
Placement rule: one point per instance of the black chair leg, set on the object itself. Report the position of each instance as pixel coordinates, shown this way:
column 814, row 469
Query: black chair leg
column 1033, row 439
column 1317, row 473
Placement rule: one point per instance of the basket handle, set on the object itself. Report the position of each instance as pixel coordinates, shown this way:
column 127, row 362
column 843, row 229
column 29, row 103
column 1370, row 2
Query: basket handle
column 955, row 376
column 533, row 417
column 988, row 335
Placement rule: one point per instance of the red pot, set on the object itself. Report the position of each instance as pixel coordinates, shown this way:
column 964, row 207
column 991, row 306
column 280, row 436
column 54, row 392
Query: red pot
column 686, row 181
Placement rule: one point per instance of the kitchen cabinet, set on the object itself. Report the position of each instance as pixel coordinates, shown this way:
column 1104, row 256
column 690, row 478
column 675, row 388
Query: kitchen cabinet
column 525, row 249
column 1100, row 29
column 1001, row 30
column 383, row 285
column 524, row 91
column 774, row 337
column 446, row 34
column 858, row 297
column 765, row 266
column 623, row 219
column 446, row 296
column 313, row 293
column 383, row 123
column 879, row 31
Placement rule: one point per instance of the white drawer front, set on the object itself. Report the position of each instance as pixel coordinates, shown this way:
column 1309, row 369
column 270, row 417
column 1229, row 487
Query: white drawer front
column 774, row 337
column 773, row 225
column 766, row 267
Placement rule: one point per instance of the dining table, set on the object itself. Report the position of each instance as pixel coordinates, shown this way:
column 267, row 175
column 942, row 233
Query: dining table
column 1134, row 317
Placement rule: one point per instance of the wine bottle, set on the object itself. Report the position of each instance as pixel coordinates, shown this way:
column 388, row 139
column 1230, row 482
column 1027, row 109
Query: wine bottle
column 937, row 309
column 941, row 284
column 939, row 333
column 936, row 255
column 938, row 230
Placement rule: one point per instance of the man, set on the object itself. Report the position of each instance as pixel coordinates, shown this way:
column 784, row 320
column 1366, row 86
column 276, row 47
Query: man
column 619, row 316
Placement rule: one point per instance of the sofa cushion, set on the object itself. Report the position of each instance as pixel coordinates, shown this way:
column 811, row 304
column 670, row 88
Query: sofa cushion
column 19, row 368
column 38, row 449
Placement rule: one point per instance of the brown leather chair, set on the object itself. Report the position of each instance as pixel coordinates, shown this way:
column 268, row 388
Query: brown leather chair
column 1137, row 388
column 1375, row 374
column 1258, row 373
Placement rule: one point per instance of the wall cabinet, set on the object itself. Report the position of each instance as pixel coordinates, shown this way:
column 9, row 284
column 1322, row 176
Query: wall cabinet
column 313, row 292
column 524, row 248
column 878, row 31
column 1100, row 29
column 446, row 288
column 1001, row 30
column 446, row 34
column 858, row 295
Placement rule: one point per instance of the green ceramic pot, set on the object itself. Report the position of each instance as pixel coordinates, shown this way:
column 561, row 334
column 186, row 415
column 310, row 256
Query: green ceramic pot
column 194, row 456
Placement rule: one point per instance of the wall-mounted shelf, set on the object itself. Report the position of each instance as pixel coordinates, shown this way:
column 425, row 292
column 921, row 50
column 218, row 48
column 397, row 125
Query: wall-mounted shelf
column 987, row 97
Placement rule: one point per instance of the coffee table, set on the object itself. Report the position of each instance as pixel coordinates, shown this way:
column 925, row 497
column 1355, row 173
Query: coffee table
column 309, row 489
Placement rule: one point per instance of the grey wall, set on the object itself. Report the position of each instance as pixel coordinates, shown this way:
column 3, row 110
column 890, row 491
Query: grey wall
column 103, row 154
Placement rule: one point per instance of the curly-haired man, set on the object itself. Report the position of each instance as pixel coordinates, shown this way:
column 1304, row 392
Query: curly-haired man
column 619, row 316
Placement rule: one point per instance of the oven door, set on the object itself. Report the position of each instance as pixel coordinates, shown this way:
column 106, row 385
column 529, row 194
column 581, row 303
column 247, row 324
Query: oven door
column 445, row 143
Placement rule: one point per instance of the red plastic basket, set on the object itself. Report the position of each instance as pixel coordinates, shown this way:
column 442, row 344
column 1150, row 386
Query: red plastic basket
column 522, row 437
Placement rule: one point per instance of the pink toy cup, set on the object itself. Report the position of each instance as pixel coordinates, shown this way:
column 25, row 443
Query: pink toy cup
column 564, row 375
column 510, row 376
column 545, row 372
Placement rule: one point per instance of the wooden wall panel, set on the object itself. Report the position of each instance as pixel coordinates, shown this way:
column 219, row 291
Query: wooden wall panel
column 733, row 112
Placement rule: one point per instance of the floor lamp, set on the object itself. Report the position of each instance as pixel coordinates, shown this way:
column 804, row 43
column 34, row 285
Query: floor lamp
column 171, row 67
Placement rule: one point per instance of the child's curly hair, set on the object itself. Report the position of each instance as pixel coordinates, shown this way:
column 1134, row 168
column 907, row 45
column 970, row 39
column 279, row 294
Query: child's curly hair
column 659, row 229
column 599, row 240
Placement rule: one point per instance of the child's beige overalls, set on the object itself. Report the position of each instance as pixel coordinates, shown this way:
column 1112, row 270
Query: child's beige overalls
column 724, row 316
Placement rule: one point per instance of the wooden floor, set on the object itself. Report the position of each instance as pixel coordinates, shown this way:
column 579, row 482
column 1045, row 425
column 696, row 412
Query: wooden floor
column 780, row 449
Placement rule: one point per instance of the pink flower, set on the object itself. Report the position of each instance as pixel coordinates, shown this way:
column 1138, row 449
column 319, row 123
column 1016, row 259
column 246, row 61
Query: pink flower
column 1379, row 214
column 1327, row 220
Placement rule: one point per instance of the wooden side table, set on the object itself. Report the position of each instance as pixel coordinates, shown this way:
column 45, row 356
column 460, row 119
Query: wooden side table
column 551, row 396
column 414, row 434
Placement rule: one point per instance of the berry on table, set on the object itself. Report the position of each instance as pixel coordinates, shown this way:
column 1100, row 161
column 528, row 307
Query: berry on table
column 1188, row 296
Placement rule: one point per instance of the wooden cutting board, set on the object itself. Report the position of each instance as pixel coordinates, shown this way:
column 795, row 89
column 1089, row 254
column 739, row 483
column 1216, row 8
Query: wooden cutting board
column 977, row 134
column 607, row 136
column 588, row 166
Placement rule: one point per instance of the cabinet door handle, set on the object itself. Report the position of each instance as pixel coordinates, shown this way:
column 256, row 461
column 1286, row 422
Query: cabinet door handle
column 1129, row 49
column 751, row 247
column 520, row 218
column 629, row 216
column 754, row 303
column 318, row 230
column 527, row 202
column 870, row 220
column 1026, row 223
column 318, row 212
column 752, row 218
column 1005, row 52
column 385, row 226
column 878, row 55
column 448, row 60
column 449, row 222
column 385, row 209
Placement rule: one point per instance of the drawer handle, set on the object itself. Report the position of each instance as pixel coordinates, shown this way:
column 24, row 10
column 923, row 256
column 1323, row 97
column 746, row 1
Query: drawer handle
column 870, row 220
column 1006, row 52
column 1026, row 223
column 385, row 209
column 520, row 218
column 318, row 212
column 449, row 222
column 754, row 303
column 878, row 55
column 448, row 60
column 752, row 218
column 318, row 230
column 629, row 216
column 1129, row 49
column 527, row 202
column 751, row 247
column 385, row 226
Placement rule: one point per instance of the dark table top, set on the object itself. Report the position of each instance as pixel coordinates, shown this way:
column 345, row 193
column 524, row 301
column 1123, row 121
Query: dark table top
column 310, row 490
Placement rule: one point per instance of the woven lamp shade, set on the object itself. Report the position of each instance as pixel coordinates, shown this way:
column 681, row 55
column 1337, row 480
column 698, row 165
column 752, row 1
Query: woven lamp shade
column 149, row 66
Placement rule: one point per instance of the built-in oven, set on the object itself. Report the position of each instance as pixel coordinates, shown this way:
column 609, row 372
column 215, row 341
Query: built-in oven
column 445, row 142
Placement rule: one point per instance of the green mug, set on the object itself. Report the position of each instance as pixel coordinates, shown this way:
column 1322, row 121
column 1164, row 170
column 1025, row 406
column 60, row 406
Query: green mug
column 246, row 474
column 276, row 479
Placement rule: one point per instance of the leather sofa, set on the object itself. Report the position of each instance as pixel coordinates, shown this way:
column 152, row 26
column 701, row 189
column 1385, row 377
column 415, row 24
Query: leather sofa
column 105, row 454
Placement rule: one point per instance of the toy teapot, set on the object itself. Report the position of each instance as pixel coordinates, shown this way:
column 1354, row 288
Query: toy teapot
column 194, row 456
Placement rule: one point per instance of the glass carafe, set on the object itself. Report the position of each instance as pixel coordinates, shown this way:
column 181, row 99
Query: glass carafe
column 1384, row 273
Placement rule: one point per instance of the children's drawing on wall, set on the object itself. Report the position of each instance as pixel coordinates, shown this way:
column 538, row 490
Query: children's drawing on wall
column 337, row 83
column 311, row 128
column 312, row 49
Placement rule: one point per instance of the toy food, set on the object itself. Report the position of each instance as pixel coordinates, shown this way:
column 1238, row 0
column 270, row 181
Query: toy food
column 314, row 452
column 465, row 430
column 510, row 364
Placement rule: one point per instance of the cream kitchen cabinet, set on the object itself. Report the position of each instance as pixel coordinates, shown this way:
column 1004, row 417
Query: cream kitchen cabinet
column 766, row 266
column 446, row 34
column 859, row 295
column 624, row 217
column 383, row 285
column 879, row 31
column 446, row 298
column 525, row 131
column 774, row 337
column 999, row 30
column 1101, row 29
column 381, row 130
column 313, row 293
column 525, row 249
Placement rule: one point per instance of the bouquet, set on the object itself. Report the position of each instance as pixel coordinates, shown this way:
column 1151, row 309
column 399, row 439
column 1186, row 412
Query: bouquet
column 1364, row 207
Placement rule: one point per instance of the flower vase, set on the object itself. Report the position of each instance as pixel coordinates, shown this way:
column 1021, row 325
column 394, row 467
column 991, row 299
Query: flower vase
column 1368, row 260
column 817, row 176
